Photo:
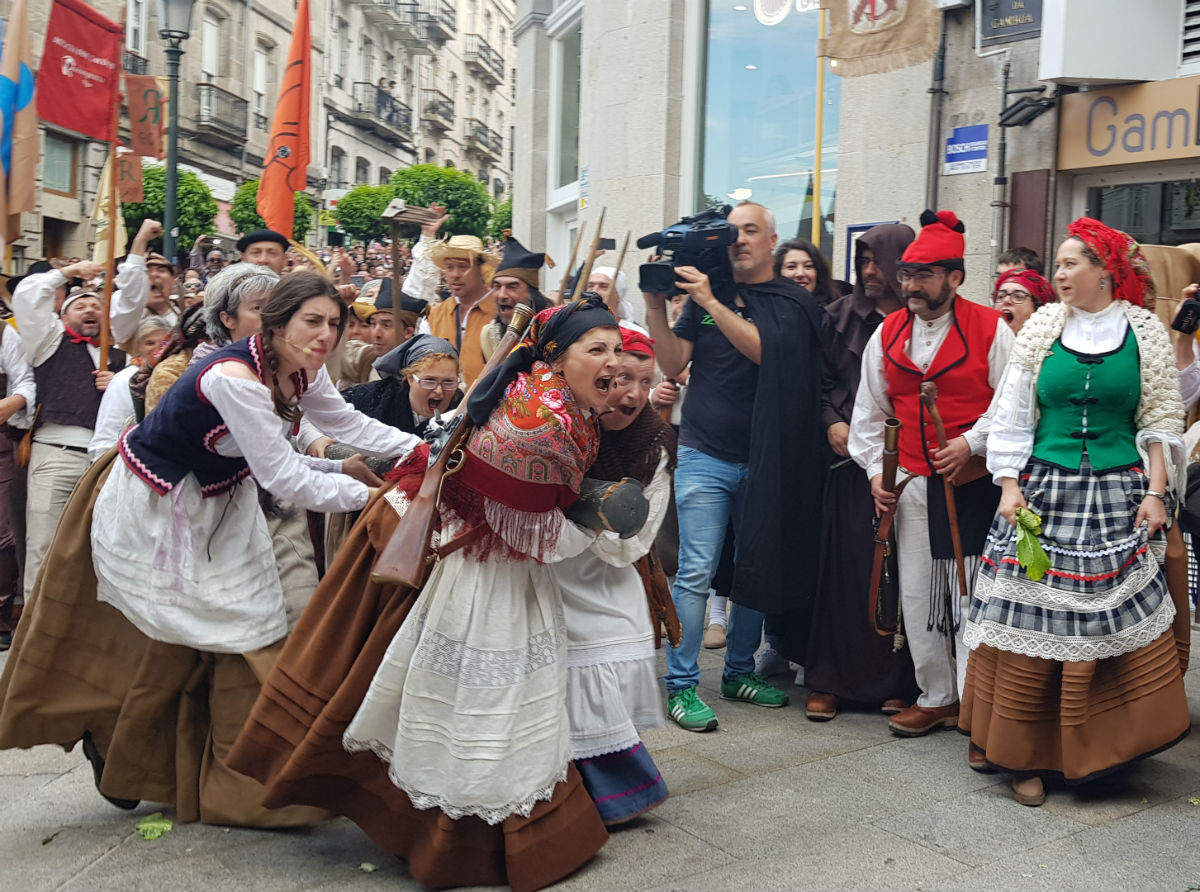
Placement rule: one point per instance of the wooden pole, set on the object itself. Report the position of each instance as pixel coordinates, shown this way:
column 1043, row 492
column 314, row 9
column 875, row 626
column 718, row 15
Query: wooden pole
column 395, row 266
column 566, row 279
column 816, row 211
column 110, row 265
column 621, row 256
column 586, row 272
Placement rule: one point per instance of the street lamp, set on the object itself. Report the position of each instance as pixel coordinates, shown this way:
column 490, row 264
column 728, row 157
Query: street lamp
column 174, row 26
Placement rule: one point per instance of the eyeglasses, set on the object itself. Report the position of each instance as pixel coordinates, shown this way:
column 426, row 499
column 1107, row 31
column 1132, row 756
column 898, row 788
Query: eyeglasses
column 435, row 383
column 920, row 276
column 1013, row 297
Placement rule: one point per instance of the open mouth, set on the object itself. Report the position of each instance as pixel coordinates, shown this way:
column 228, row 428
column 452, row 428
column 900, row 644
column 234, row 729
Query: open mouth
column 1007, row 314
column 603, row 383
column 435, row 406
column 628, row 410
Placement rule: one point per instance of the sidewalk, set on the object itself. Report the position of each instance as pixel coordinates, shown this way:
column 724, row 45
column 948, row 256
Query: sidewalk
column 771, row 801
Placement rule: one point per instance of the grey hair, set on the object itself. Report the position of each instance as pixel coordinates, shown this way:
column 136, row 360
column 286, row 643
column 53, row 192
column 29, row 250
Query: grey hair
column 766, row 213
column 226, row 291
column 152, row 323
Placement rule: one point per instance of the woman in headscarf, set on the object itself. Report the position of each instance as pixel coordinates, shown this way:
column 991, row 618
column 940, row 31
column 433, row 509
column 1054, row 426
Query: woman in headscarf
column 1074, row 670
column 162, row 609
column 613, row 690
column 1018, row 294
column 436, row 718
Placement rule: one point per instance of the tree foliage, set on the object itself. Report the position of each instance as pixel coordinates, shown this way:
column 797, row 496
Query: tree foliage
column 501, row 219
column 244, row 211
column 194, row 201
column 464, row 196
column 359, row 209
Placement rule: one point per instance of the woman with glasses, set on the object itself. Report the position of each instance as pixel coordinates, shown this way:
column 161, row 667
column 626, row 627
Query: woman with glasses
column 1074, row 670
column 1018, row 294
column 420, row 379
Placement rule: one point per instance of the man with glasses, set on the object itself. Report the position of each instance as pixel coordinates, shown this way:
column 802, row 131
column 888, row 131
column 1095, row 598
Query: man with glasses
column 962, row 348
column 1018, row 294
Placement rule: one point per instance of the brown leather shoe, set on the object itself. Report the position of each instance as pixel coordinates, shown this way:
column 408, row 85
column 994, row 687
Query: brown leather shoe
column 977, row 760
column 820, row 707
column 917, row 721
column 894, row 705
column 1029, row 791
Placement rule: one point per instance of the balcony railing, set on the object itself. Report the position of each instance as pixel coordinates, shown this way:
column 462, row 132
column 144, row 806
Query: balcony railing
column 132, row 63
column 382, row 111
column 437, row 108
column 438, row 18
column 222, row 117
column 486, row 62
column 485, row 141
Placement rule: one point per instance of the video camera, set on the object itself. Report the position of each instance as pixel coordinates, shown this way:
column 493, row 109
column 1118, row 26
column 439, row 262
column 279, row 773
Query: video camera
column 701, row 240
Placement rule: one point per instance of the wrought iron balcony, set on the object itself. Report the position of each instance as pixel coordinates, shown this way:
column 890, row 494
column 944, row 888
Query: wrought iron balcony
column 221, row 117
column 483, row 140
column 487, row 64
column 382, row 112
column 132, row 63
column 438, row 18
column 437, row 109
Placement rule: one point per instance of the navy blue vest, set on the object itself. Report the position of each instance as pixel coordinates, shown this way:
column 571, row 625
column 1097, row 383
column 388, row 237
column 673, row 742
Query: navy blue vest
column 66, row 385
column 180, row 436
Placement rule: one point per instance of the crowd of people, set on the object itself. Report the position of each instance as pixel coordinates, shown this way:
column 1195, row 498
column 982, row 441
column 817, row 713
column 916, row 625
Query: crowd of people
column 960, row 514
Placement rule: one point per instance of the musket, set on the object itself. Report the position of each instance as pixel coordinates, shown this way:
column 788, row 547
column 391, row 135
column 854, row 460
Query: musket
column 566, row 279
column 929, row 398
column 586, row 272
column 891, row 463
column 405, row 557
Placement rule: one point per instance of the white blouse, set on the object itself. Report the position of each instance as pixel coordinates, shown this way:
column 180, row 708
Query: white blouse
column 257, row 434
column 1014, row 407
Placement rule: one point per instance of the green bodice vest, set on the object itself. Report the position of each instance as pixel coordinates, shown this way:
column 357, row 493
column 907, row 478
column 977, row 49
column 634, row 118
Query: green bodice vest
column 1089, row 402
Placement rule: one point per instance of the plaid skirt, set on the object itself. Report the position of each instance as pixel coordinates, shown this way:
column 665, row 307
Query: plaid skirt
column 1105, row 593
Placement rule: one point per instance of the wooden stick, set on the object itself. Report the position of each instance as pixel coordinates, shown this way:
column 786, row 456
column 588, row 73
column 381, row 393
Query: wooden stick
column 566, row 279
column 621, row 256
column 929, row 398
column 114, row 208
column 586, row 272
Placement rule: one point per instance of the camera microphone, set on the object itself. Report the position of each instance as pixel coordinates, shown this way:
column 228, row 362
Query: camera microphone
column 307, row 351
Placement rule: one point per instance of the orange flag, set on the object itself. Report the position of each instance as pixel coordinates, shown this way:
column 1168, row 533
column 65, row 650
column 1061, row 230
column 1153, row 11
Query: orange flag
column 19, row 142
column 285, row 167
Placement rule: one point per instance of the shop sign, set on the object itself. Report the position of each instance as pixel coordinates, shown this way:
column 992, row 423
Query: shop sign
column 1156, row 121
column 1003, row 21
column 966, row 150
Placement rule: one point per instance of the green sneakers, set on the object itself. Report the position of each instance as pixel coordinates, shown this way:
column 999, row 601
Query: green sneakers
column 750, row 688
column 689, row 712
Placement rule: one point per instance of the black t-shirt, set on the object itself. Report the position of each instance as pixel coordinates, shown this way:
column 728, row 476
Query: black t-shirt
column 720, row 398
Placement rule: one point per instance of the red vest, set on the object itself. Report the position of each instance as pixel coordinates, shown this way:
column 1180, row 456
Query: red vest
column 960, row 370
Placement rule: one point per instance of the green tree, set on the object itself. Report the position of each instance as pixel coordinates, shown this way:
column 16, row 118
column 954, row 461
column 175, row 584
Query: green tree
column 194, row 201
column 359, row 210
column 244, row 211
column 501, row 219
column 465, row 198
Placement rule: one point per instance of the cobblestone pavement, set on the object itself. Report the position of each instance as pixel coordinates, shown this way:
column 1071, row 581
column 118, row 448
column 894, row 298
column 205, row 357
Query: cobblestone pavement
column 771, row 801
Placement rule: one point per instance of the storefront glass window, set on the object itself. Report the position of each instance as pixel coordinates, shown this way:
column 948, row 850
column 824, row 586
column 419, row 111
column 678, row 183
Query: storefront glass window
column 759, row 123
column 1153, row 213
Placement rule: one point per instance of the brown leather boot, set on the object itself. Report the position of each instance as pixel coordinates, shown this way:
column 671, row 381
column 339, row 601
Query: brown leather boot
column 917, row 721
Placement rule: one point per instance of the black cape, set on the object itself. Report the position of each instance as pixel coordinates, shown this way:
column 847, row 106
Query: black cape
column 779, row 535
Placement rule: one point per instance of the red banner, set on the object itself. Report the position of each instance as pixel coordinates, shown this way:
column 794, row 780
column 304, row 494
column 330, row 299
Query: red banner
column 147, row 101
column 80, row 70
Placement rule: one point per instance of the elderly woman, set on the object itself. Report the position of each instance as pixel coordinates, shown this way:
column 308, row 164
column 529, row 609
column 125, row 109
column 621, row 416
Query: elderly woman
column 611, row 284
column 150, row 649
column 1074, row 669
column 1018, row 294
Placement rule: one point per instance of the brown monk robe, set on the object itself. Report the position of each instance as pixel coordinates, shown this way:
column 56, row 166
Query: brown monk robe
column 162, row 716
column 292, row 741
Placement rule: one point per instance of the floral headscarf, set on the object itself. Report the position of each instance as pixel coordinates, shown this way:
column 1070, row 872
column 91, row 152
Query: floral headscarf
column 1121, row 256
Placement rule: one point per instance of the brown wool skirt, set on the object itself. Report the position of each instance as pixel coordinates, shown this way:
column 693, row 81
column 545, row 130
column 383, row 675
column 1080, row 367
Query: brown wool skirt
column 162, row 715
column 293, row 741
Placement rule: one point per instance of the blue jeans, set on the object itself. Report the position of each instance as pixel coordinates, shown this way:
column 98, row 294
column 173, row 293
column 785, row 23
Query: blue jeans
column 708, row 491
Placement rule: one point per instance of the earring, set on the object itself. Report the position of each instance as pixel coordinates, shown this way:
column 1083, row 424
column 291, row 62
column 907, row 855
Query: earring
column 1104, row 284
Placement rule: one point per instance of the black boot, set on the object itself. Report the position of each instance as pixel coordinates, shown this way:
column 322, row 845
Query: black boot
column 93, row 755
column 10, row 590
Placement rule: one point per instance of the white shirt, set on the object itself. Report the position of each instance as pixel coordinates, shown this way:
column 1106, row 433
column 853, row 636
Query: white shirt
column 1189, row 378
column 20, row 375
column 873, row 404
column 41, row 329
column 115, row 414
column 423, row 276
column 1014, row 407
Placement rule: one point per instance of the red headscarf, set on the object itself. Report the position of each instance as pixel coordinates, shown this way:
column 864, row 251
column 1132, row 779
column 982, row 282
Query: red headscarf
column 1121, row 256
column 636, row 342
column 1033, row 282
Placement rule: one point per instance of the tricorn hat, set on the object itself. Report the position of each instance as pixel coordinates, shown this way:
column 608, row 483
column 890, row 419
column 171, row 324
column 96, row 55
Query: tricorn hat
column 521, row 263
column 939, row 243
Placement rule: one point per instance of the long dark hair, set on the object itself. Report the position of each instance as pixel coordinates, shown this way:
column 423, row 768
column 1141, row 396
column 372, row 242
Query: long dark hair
column 823, row 291
column 286, row 298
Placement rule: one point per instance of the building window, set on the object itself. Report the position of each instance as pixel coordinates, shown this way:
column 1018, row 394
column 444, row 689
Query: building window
column 135, row 28
column 384, row 176
column 568, row 116
column 453, row 92
column 344, row 54
column 362, row 172
column 337, row 169
column 262, row 62
column 367, row 61
column 210, row 48
column 59, row 166
column 758, row 125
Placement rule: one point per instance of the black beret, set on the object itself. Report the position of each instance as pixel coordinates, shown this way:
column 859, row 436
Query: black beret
column 262, row 235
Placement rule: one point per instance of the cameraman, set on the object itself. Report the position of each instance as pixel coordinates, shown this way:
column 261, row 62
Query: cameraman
column 749, row 449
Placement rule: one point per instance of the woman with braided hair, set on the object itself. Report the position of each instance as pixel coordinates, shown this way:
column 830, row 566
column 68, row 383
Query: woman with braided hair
column 158, row 687
column 1077, row 647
